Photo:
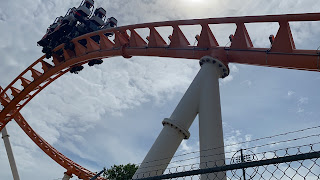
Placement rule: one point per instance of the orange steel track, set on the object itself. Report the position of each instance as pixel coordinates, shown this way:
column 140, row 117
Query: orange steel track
column 282, row 54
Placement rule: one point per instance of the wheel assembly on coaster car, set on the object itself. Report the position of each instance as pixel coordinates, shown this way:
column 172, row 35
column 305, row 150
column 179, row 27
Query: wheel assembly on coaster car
column 76, row 69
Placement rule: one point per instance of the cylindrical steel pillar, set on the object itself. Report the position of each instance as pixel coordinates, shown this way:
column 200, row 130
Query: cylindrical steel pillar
column 12, row 162
column 210, row 121
column 174, row 131
column 66, row 177
column 176, row 127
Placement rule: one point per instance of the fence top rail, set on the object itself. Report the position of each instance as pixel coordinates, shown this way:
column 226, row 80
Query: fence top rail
column 265, row 162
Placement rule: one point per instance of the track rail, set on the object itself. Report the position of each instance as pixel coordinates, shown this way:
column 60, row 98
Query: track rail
column 282, row 54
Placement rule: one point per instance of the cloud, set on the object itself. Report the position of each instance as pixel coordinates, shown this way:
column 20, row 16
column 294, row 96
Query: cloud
column 233, row 71
column 300, row 110
column 226, row 79
column 290, row 93
column 233, row 68
column 247, row 83
column 2, row 17
column 303, row 100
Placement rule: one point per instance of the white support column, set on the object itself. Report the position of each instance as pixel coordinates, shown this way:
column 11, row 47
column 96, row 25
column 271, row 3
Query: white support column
column 210, row 121
column 176, row 127
column 12, row 162
column 174, row 131
column 66, row 177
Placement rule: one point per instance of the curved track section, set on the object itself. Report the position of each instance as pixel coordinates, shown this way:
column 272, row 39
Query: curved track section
column 68, row 164
column 282, row 54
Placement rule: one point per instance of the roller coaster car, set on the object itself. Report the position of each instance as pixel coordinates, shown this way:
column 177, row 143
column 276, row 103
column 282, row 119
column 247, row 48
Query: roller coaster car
column 65, row 27
column 98, row 17
column 46, row 38
column 76, row 69
column 62, row 25
column 85, row 9
column 56, row 33
column 69, row 18
column 111, row 23
column 77, row 22
column 95, row 22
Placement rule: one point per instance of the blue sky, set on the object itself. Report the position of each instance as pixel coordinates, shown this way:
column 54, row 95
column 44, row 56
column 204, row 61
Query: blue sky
column 112, row 113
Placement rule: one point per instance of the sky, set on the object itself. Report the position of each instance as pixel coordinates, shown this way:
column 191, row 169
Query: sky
column 112, row 113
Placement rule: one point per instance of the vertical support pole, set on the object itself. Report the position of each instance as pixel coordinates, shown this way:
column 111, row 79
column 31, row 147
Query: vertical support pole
column 12, row 162
column 66, row 177
column 210, row 120
column 243, row 169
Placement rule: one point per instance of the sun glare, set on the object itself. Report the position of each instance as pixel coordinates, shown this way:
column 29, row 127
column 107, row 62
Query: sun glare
column 194, row 1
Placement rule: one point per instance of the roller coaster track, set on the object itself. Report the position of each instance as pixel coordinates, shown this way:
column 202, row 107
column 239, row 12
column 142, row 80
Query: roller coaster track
column 282, row 54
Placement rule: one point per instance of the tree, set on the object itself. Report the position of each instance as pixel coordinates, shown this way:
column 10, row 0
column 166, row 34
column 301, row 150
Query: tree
column 121, row 172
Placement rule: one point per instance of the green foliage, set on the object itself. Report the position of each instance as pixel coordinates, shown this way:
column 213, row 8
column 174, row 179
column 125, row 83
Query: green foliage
column 121, row 172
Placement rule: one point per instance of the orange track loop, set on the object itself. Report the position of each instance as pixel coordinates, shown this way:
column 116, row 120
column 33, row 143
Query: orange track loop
column 282, row 54
column 72, row 167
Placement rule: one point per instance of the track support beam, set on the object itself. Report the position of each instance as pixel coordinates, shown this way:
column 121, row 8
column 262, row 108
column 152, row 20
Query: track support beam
column 14, row 170
column 210, row 119
column 202, row 97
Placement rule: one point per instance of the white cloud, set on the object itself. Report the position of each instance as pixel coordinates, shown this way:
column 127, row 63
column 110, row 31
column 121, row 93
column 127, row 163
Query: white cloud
column 303, row 100
column 300, row 110
column 185, row 147
column 226, row 79
column 290, row 93
column 233, row 68
column 247, row 83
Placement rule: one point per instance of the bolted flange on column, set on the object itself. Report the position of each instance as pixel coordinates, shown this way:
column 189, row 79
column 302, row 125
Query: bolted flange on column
column 224, row 69
column 178, row 127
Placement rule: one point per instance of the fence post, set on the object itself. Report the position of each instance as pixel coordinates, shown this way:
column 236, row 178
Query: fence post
column 242, row 161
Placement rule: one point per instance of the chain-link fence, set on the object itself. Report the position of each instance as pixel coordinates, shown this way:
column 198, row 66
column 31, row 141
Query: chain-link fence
column 271, row 160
